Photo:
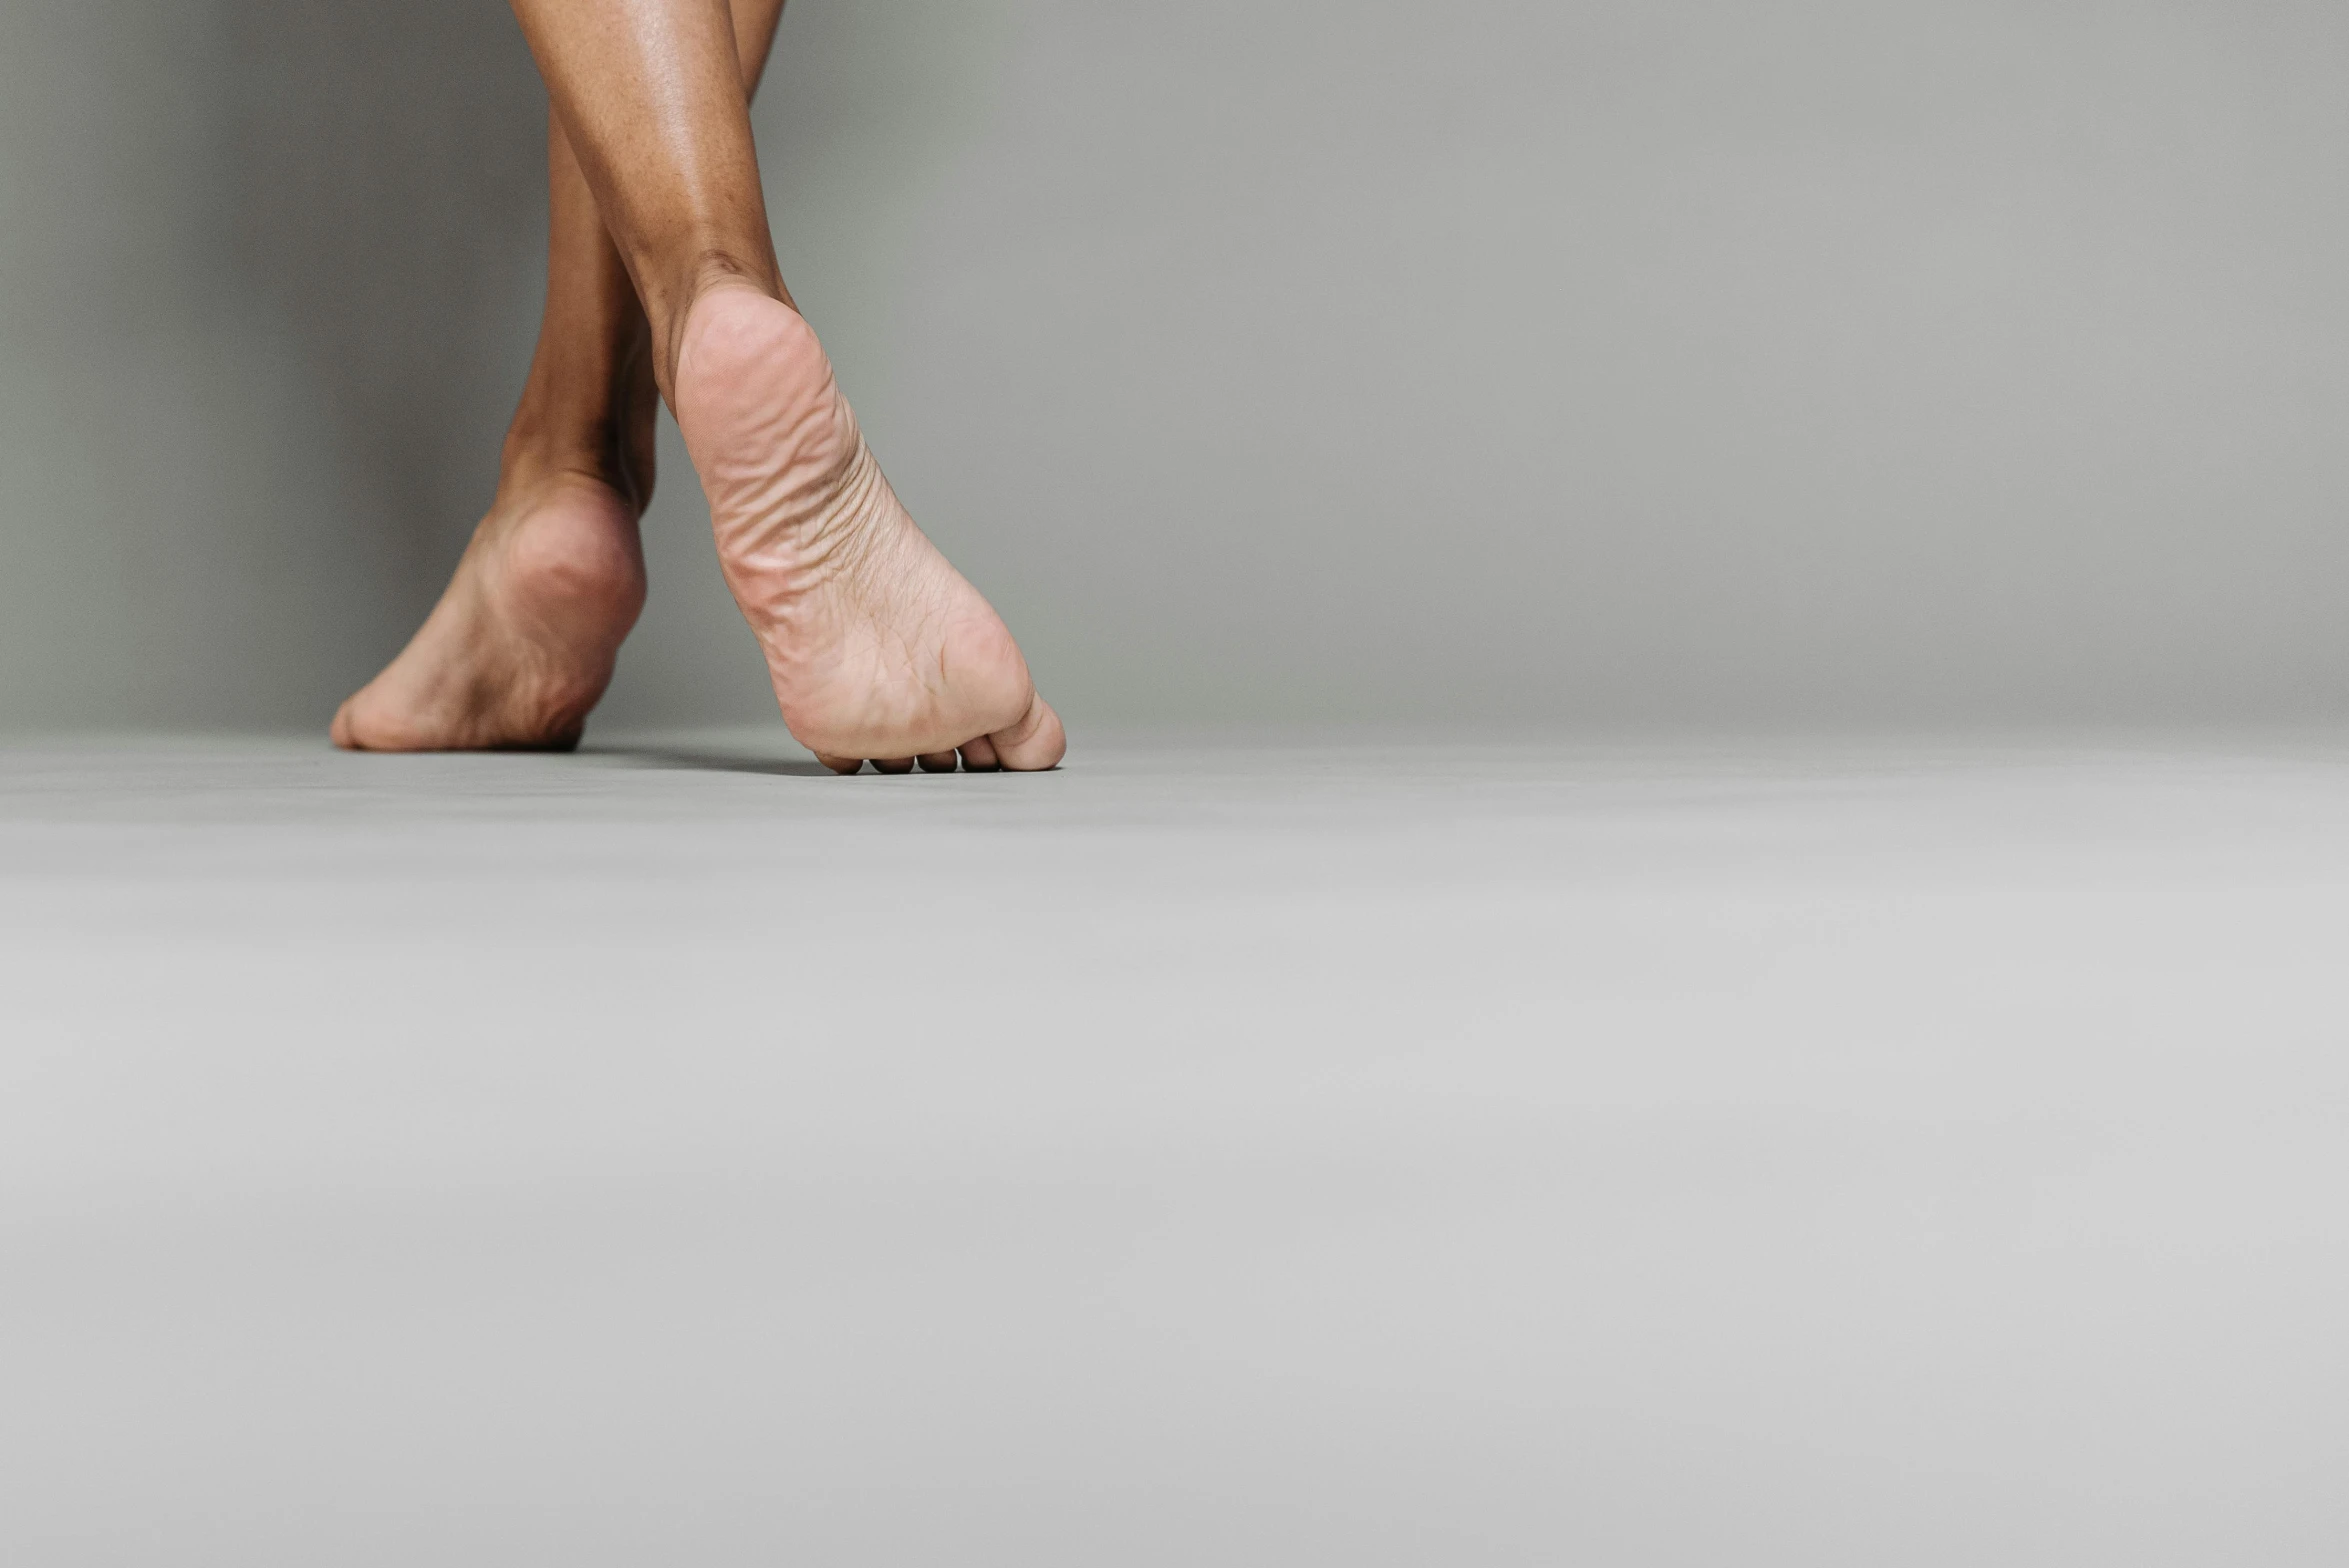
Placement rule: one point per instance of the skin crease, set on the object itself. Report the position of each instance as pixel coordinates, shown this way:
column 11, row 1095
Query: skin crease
column 662, row 275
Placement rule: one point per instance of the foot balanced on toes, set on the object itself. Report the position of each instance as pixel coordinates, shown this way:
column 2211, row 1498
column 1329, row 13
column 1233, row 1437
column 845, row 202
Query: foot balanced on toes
column 878, row 648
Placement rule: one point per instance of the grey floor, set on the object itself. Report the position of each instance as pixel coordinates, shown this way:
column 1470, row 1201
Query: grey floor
column 1219, row 1152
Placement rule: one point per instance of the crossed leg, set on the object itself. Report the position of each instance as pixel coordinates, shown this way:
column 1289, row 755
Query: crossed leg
column 663, row 282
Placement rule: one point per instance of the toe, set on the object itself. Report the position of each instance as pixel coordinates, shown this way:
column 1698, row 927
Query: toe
column 893, row 764
column 978, row 756
column 841, row 764
column 937, row 761
column 1035, row 743
column 344, row 732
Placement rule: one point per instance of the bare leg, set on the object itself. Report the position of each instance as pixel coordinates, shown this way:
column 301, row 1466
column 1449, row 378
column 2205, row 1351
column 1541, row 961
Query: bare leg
column 523, row 641
column 878, row 648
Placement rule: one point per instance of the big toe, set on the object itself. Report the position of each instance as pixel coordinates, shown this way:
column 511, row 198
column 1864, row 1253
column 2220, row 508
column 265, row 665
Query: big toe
column 1035, row 743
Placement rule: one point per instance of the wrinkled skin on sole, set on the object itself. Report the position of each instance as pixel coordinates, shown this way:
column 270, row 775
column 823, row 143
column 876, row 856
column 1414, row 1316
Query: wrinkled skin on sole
column 879, row 649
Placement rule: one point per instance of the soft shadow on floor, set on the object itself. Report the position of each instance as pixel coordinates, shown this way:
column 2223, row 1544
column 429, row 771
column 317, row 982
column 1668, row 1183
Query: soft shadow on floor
column 709, row 760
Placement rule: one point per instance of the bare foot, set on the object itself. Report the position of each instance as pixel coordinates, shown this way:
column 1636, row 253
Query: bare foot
column 523, row 641
column 878, row 648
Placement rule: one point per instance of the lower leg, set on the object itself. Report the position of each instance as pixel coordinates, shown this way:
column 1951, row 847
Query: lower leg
column 649, row 92
column 587, row 407
column 590, row 400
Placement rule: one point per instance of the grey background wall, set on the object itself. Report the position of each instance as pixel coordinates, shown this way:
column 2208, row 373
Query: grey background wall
column 1655, row 359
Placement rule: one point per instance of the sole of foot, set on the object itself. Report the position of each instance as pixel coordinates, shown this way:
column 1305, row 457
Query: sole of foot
column 523, row 641
column 879, row 650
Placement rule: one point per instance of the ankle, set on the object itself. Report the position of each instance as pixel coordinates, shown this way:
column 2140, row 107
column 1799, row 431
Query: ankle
column 613, row 452
column 529, row 465
column 585, row 415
